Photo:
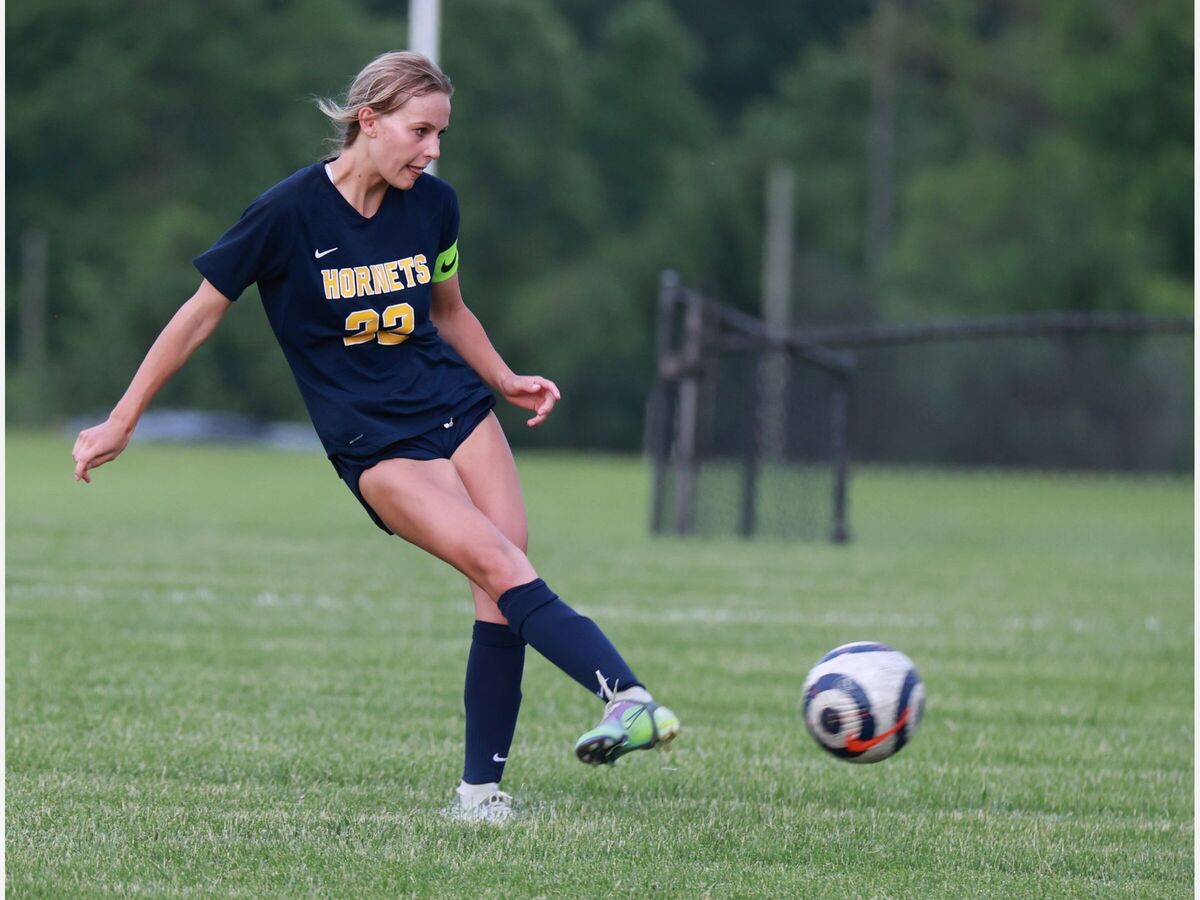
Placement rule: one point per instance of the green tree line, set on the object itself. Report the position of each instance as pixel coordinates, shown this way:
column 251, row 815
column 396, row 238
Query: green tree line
column 975, row 157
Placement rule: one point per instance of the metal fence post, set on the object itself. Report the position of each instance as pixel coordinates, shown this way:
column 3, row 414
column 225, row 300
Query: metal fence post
column 658, row 414
column 748, row 518
column 689, row 407
column 839, row 412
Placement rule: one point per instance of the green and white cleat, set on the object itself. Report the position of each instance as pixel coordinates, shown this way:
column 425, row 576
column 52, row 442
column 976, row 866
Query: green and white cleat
column 628, row 725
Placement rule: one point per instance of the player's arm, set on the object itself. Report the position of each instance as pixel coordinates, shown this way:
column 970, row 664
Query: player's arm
column 188, row 329
column 460, row 328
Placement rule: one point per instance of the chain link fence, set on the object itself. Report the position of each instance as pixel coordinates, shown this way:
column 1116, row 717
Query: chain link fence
column 751, row 430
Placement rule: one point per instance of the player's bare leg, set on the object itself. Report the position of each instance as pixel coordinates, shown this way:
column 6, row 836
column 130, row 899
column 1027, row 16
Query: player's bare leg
column 426, row 503
column 490, row 475
column 485, row 464
column 436, row 514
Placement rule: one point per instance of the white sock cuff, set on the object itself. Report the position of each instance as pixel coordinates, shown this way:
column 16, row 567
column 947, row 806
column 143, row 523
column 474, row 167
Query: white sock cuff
column 477, row 791
column 637, row 693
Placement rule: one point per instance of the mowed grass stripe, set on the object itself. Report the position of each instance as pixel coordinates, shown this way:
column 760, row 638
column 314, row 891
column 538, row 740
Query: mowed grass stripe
column 222, row 680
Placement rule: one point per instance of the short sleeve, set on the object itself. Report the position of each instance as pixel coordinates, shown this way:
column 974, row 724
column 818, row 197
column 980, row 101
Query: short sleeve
column 446, row 263
column 254, row 249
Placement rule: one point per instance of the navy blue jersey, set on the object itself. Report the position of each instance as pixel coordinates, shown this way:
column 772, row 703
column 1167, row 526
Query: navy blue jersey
column 348, row 299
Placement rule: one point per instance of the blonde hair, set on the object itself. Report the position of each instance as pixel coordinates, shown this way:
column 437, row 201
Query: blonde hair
column 385, row 84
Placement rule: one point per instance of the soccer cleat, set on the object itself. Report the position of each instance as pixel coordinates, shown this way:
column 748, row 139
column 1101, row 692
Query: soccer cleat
column 627, row 725
column 483, row 803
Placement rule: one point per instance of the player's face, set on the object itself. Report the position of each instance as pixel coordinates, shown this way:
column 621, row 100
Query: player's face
column 410, row 138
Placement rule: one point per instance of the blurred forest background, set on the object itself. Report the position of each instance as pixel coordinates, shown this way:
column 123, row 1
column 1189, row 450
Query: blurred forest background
column 973, row 157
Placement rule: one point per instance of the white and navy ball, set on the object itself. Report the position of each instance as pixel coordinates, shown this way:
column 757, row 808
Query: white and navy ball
column 863, row 701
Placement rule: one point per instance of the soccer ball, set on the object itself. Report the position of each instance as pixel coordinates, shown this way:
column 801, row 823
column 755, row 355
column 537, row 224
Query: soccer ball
column 863, row 701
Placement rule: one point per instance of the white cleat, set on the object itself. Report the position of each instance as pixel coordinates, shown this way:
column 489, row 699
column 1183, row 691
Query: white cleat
column 483, row 803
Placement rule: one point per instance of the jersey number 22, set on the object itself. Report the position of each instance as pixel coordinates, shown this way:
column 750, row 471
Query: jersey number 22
column 397, row 321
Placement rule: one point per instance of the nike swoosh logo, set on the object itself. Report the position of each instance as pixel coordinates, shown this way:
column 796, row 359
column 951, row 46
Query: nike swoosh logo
column 448, row 424
column 496, row 757
column 317, row 254
column 854, row 745
column 449, row 264
column 352, row 440
column 629, row 720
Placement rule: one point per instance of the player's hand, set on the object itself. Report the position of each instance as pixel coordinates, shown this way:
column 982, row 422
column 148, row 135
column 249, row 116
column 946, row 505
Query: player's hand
column 97, row 445
column 532, row 392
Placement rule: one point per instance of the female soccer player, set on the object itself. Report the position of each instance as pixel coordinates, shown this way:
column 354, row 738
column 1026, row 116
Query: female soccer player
column 356, row 258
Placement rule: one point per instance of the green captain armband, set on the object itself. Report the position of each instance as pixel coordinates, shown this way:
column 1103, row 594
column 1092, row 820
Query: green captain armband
column 446, row 263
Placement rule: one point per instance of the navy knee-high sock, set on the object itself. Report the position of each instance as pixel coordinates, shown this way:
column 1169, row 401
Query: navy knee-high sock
column 572, row 642
column 492, row 697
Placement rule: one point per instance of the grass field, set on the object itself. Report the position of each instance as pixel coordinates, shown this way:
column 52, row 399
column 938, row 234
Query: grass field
column 223, row 681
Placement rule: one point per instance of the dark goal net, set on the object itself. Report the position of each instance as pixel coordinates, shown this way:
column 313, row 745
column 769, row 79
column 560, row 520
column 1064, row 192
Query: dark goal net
column 751, row 430
column 748, row 434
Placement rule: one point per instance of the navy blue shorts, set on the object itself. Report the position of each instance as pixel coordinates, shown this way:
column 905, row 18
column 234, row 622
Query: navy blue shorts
column 437, row 443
